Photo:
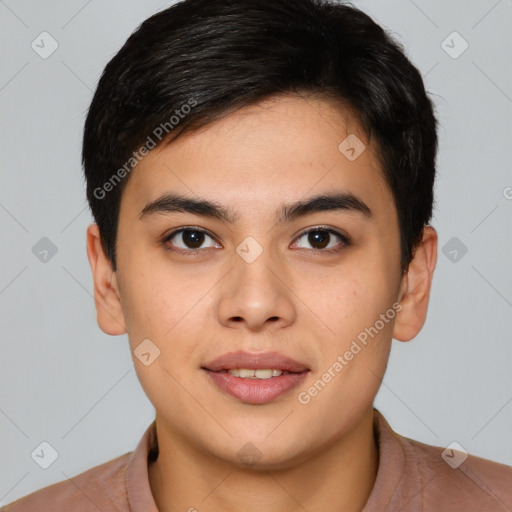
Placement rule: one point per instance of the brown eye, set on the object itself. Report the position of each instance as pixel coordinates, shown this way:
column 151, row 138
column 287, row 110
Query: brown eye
column 319, row 239
column 188, row 238
column 324, row 240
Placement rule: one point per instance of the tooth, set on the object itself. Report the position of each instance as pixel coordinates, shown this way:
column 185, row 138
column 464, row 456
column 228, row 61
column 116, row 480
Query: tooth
column 263, row 374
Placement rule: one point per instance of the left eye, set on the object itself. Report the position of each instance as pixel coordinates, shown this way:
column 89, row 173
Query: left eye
column 322, row 239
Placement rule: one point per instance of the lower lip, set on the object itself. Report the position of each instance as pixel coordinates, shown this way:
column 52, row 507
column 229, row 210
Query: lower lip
column 256, row 391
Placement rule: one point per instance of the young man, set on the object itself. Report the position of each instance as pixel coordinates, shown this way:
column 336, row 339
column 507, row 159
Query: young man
column 261, row 175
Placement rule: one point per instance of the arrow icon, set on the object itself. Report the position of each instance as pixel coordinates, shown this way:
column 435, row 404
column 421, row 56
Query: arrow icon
column 146, row 352
column 454, row 455
column 454, row 249
column 44, row 455
column 454, row 45
column 44, row 45
column 249, row 249
column 351, row 147
column 44, row 250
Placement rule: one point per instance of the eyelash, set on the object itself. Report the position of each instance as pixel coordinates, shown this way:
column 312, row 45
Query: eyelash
column 188, row 252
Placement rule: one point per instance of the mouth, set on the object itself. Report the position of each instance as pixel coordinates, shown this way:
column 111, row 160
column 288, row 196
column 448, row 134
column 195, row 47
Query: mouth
column 255, row 378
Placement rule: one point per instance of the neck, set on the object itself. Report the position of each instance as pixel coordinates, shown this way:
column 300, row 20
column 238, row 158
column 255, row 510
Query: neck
column 338, row 477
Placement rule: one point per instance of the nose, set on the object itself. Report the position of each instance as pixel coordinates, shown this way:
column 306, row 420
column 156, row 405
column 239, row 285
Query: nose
column 256, row 295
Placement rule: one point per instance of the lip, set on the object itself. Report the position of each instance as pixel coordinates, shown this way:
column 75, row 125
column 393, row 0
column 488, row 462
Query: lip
column 250, row 361
column 255, row 391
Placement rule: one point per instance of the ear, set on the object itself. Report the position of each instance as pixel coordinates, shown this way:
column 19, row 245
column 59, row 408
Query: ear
column 415, row 288
column 106, row 290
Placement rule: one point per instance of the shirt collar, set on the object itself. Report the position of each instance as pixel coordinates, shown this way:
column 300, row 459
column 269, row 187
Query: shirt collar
column 137, row 476
column 392, row 466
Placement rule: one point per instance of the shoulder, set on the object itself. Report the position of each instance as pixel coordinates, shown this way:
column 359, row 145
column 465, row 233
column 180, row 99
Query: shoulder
column 451, row 478
column 414, row 476
column 99, row 488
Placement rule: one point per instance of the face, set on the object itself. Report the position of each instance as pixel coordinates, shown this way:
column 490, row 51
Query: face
column 318, row 285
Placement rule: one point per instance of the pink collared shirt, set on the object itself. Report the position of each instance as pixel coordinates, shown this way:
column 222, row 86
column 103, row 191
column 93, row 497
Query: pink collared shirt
column 412, row 476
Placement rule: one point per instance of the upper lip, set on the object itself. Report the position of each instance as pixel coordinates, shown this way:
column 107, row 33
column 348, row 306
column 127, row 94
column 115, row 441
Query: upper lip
column 241, row 359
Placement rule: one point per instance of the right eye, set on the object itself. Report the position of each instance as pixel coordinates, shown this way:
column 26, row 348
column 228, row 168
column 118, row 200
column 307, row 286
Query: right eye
column 187, row 240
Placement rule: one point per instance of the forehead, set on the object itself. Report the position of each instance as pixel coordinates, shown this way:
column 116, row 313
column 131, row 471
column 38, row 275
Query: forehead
column 279, row 150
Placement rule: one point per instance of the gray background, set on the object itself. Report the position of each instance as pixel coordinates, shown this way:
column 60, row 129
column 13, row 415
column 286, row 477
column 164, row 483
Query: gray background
column 65, row 382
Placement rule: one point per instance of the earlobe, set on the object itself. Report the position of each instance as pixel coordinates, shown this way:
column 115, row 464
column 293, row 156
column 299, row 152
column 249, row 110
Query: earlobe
column 415, row 288
column 106, row 290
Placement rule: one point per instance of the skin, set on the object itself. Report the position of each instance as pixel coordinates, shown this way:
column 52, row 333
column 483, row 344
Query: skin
column 304, row 304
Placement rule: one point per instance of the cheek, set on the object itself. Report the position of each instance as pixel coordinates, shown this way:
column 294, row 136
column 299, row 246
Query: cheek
column 152, row 299
column 167, row 312
column 352, row 361
column 171, row 310
column 349, row 305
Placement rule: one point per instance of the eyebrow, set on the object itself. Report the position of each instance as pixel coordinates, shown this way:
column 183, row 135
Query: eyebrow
column 341, row 201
